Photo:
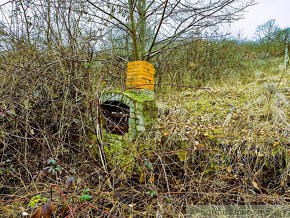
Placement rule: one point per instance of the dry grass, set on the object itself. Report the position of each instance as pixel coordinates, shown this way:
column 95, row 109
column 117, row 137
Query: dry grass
column 201, row 151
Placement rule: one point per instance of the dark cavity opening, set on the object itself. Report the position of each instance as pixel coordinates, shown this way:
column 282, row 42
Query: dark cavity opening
column 116, row 116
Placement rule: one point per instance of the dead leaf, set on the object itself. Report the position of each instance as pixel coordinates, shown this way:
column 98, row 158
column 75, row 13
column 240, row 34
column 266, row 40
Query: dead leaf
column 142, row 178
column 37, row 213
column 64, row 210
column 69, row 182
column 228, row 119
column 165, row 134
column 152, row 179
column 255, row 185
column 48, row 209
column 275, row 144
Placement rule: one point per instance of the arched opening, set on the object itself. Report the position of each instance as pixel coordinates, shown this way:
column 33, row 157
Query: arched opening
column 116, row 116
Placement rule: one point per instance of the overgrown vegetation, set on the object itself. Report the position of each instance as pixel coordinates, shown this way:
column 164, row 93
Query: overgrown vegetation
column 223, row 139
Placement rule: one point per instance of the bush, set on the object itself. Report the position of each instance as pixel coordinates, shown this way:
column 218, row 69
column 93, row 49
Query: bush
column 204, row 61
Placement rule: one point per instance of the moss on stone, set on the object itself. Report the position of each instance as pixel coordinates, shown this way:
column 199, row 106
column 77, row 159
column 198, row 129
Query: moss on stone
column 143, row 109
column 143, row 114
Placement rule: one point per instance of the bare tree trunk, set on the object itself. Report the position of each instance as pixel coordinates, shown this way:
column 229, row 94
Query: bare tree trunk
column 48, row 25
column 133, row 31
column 142, row 30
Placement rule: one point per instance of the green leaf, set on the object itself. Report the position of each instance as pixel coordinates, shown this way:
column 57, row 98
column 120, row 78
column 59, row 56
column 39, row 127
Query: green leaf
column 227, row 158
column 86, row 191
column 58, row 168
column 183, row 155
column 153, row 193
column 88, row 197
column 51, row 161
column 11, row 112
column 85, row 198
column 32, row 203
column 148, row 165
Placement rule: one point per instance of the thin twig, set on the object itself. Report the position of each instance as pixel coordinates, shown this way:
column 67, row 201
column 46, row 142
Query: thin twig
column 63, row 196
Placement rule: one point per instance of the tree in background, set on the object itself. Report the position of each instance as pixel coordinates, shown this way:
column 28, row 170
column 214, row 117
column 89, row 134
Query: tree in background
column 146, row 27
column 266, row 32
column 272, row 38
column 283, row 35
column 153, row 26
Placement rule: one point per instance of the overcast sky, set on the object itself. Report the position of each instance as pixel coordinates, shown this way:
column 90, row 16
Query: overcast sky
column 256, row 15
column 260, row 14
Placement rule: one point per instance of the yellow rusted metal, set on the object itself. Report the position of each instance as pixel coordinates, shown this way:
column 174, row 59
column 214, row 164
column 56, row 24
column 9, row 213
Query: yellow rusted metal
column 140, row 75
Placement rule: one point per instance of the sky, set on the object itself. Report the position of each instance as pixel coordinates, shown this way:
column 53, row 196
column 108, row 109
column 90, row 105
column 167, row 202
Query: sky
column 256, row 15
column 259, row 14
